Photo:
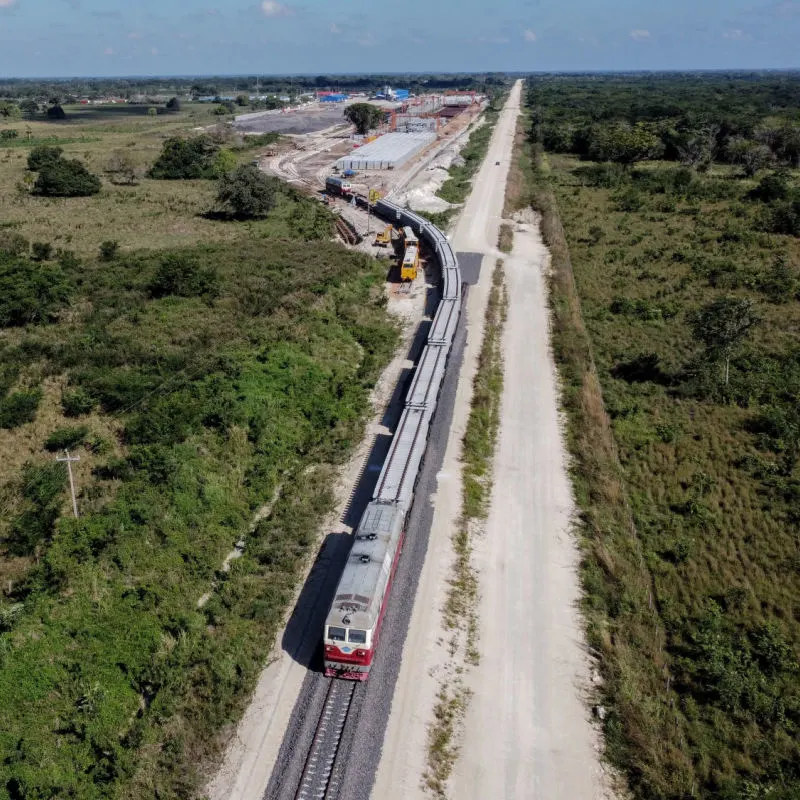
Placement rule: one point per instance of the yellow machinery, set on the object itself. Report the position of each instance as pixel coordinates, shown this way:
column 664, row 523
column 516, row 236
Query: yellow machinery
column 384, row 237
column 410, row 265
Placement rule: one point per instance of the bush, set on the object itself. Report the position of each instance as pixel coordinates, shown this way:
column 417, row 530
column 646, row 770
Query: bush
column 109, row 250
column 66, row 178
column 8, row 133
column 248, row 192
column 42, row 485
column 42, row 251
column 56, row 112
column 13, row 243
column 173, row 104
column 770, row 188
column 42, row 155
column 19, row 408
column 66, row 438
column 180, row 275
column 783, row 216
column 185, row 159
column 30, row 292
column 77, row 402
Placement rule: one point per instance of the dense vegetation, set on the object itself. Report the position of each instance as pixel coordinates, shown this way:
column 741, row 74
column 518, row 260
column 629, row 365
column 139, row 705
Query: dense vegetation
column 198, row 384
column 686, row 272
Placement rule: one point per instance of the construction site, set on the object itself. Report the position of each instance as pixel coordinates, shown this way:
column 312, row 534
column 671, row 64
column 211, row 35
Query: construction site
column 406, row 157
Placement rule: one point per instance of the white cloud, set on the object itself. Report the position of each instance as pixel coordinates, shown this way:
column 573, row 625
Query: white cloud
column 7, row 3
column 134, row 35
column 736, row 34
column 109, row 51
column 154, row 51
column 529, row 35
column 272, row 8
column 367, row 41
column 640, row 35
column 335, row 28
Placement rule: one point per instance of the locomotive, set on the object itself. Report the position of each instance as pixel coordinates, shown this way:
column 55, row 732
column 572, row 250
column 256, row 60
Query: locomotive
column 338, row 186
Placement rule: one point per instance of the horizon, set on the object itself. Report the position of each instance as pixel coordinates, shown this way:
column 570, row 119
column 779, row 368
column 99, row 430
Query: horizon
column 385, row 73
column 109, row 39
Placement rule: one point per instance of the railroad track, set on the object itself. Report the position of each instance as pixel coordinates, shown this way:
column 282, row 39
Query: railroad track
column 325, row 745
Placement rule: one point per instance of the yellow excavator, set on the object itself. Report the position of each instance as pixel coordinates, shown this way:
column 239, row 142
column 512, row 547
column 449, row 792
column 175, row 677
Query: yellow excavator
column 384, row 238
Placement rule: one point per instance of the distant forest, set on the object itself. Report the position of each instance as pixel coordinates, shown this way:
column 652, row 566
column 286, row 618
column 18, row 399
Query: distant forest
column 67, row 89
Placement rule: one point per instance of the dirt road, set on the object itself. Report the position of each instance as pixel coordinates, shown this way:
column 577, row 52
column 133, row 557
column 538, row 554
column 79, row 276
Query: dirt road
column 527, row 733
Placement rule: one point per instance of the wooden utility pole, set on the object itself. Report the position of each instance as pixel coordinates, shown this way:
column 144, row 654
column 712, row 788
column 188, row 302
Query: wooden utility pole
column 69, row 459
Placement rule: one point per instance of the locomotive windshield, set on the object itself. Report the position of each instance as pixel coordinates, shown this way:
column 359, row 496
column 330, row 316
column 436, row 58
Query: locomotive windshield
column 356, row 636
column 337, row 634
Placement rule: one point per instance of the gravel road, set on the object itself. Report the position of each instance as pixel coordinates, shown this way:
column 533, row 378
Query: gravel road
column 527, row 732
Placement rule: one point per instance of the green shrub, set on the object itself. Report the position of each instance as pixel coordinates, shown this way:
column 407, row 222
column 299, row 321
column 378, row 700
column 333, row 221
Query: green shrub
column 13, row 243
column 19, row 408
column 30, row 292
column 66, row 178
column 185, row 158
column 66, row 438
column 42, row 251
column 77, row 402
column 109, row 250
column 248, row 192
column 182, row 276
column 43, row 155
column 42, row 485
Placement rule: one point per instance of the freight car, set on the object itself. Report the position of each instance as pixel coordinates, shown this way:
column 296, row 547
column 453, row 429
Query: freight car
column 353, row 626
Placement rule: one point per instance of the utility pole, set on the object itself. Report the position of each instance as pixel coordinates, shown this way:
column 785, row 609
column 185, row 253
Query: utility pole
column 69, row 459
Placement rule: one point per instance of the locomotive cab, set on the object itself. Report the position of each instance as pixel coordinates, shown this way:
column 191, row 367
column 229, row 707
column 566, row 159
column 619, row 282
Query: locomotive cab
column 348, row 652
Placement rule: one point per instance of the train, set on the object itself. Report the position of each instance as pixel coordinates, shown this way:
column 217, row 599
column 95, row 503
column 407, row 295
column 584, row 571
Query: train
column 338, row 186
column 353, row 625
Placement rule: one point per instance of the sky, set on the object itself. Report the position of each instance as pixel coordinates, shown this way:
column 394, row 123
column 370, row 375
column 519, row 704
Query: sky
column 206, row 37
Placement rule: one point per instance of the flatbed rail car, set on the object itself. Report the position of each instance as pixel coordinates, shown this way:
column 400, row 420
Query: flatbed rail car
column 352, row 628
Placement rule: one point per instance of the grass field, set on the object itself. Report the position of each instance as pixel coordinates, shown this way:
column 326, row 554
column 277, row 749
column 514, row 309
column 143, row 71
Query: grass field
column 208, row 369
column 689, row 492
column 152, row 214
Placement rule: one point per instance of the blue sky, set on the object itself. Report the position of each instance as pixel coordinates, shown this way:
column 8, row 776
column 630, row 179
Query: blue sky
column 164, row 37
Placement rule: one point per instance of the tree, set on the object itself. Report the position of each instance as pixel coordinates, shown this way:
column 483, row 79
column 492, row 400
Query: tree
column 242, row 100
column 750, row 155
column 182, row 276
column 624, row 144
column 56, row 112
column 41, row 155
column 364, row 116
column 722, row 325
column 152, row 111
column 29, row 107
column 66, row 178
column 121, row 167
column 248, row 192
column 224, row 161
column 696, row 148
column 9, row 110
column 185, row 159
column 173, row 104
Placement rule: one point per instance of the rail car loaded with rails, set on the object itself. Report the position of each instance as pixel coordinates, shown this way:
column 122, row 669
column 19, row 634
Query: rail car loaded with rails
column 353, row 625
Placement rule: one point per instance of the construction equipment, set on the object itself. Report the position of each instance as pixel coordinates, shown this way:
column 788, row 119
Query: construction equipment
column 384, row 238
